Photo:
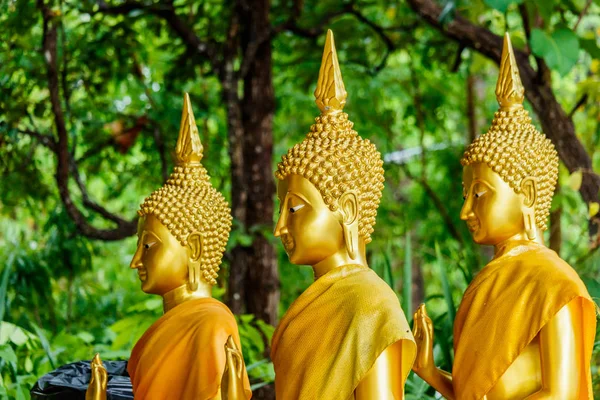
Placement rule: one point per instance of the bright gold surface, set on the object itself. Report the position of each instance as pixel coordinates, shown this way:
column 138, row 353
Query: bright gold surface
column 190, row 208
column 330, row 93
column 232, row 386
column 182, row 233
column 525, row 327
column 97, row 387
column 329, row 187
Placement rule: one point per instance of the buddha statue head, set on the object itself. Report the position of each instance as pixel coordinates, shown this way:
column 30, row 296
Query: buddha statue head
column 330, row 184
column 184, row 226
column 510, row 172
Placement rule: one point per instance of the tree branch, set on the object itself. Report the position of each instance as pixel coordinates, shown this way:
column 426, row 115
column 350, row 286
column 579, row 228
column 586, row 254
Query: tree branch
column 555, row 122
column 203, row 49
column 61, row 148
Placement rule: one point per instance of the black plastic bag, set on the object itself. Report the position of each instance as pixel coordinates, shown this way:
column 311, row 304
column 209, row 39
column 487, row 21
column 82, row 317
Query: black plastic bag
column 70, row 382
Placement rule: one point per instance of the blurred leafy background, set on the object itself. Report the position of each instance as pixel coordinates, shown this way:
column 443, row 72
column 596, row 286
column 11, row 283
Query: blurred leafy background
column 417, row 88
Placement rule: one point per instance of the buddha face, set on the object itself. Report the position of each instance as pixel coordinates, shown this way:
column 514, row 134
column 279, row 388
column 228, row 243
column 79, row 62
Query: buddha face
column 492, row 209
column 309, row 230
column 161, row 261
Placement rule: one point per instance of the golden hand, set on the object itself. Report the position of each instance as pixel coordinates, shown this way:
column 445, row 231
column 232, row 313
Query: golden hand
column 423, row 333
column 97, row 386
column 232, row 387
column 424, row 365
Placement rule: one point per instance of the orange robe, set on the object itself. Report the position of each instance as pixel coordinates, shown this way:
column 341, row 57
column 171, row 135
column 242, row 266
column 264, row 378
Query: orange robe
column 182, row 355
column 332, row 334
column 503, row 310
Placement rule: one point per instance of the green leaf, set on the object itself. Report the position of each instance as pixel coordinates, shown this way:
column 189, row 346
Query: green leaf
column 45, row 344
column 501, row 5
column 7, row 353
column 85, row 336
column 545, row 8
column 593, row 287
column 575, row 180
column 560, row 50
column 3, row 289
column 445, row 286
column 591, row 47
column 407, row 277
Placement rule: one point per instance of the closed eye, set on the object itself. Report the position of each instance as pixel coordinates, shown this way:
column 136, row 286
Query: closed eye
column 294, row 209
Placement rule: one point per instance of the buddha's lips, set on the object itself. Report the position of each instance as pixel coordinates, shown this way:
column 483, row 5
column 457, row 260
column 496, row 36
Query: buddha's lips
column 288, row 243
column 143, row 274
column 473, row 225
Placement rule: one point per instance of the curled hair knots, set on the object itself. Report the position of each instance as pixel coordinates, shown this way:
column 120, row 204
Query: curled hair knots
column 336, row 160
column 514, row 149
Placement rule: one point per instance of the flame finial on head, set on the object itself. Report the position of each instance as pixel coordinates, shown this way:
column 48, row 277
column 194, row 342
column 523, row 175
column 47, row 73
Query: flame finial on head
column 509, row 89
column 330, row 94
column 189, row 148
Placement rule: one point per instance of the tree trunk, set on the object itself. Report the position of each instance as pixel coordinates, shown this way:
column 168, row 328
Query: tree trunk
column 254, row 278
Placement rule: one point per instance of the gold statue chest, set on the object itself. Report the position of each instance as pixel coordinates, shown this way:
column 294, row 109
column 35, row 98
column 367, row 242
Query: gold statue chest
column 522, row 378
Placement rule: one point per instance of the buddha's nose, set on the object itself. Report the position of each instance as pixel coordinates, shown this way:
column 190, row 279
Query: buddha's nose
column 467, row 209
column 280, row 228
column 136, row 261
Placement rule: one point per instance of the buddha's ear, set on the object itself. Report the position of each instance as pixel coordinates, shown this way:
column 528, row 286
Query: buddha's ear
column 529, row 190
column 194, row 240
column 348, row 204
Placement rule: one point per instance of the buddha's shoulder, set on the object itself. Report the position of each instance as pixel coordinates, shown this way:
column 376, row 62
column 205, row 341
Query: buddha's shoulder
column 205, row 310
column 365, row 289
column 545, row 265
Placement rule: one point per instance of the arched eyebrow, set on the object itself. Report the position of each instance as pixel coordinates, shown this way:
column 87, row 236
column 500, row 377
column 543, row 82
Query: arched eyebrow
column 300, row 196
column 150, row 233
column 486, row 184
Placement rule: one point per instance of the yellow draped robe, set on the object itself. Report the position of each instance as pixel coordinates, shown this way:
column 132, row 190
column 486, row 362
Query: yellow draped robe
column 503, row 310
column 182, row 355
column 332, row 334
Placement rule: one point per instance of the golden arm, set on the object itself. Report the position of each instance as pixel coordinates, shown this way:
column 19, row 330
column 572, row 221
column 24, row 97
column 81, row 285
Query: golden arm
column 424, row 365
column 385, row 380
column 561, row 353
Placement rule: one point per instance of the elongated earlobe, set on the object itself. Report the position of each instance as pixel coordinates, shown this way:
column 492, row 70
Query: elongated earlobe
column 529, row 191
column 530, row 227
column 195, row 256
column 349, row 209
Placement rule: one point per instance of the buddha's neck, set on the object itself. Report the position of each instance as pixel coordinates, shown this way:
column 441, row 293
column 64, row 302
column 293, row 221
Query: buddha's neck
column 519, row 237
column 339, row 259
column 183, row 293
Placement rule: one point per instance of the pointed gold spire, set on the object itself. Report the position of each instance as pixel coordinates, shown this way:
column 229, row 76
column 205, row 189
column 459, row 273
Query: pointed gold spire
column 509, row 89
column 189, row 149
column 330, row 93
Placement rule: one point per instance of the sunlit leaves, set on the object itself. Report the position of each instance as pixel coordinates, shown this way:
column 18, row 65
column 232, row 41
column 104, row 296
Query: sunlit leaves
column 575, row 180
column 560, row 49
column 501, row 5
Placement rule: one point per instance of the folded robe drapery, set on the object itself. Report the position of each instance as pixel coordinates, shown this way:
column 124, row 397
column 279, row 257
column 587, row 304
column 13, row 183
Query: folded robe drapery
column 334, row 332
column 503, row 310
column 182, row 355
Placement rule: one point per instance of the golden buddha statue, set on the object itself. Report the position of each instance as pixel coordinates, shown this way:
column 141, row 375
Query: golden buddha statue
column 182, row 233
column 346, row 336
column 525, row 327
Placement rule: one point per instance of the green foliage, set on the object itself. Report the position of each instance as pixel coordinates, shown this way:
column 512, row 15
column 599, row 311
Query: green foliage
column 560, row 49
column 64, row 297
column 501, row 5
